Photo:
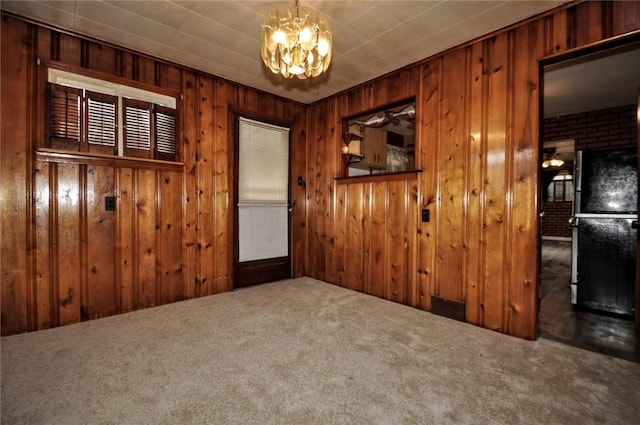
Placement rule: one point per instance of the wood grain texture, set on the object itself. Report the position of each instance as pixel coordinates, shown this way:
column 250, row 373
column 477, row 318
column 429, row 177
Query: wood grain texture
column 477, row 144
column 222, row 167
column 495, row 182
column 190, row 104
column 521, row 277
column 68, row 236
column 170, row 238
column 205, row 187
column 146, row 246
column 100, row 242
column 299, row 228
column 15, row 174
column 64, row 259
column 125, row 239
column 44, row 296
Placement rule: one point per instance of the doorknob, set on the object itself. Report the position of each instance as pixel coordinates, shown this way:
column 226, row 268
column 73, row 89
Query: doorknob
column 634, row 224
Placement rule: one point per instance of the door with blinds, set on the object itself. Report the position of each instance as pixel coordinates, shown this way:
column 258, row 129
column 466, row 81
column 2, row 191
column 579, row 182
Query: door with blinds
column 262, row 237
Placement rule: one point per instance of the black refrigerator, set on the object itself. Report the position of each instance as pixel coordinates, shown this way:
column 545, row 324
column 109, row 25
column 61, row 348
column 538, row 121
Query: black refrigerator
column 603, row 271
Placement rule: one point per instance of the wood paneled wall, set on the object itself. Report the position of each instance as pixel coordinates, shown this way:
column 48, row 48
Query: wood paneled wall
column 64, row 258
column 477, row 136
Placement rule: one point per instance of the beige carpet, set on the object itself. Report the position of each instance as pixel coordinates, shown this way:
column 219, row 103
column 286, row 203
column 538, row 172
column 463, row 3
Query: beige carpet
column 304, row 352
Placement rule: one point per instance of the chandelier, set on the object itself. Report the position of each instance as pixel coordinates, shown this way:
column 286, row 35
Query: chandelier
column 294, row 45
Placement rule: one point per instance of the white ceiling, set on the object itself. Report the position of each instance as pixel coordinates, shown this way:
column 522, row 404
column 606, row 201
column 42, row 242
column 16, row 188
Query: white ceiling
column 221, row 38
column 597, row 81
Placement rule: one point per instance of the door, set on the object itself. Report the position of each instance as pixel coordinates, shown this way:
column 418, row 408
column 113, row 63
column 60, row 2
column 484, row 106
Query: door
column 605, row 237
column 636, row 226
column 261, row 214
column 607, row 265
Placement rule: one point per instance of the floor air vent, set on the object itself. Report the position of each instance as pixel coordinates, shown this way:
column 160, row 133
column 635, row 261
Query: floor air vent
column 448, row 308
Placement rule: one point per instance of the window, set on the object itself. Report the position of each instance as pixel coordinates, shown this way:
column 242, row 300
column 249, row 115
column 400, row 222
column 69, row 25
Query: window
column 561, row 188
column 90, row 115
column 380, row 141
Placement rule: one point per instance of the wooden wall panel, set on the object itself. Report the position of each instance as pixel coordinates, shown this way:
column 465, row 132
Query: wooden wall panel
column 66, row 49
column 451, row 157
column 146, row 224
column 100, row 57
column 625, row 16
column 413, row 215
column 100, row 242
column 339, row 240
column 68, row 236
column 474, row 245
column 329, row 152
column 377, row 273
column 590, row 15
column 206, row 186
column 170, row 237
column 477, row 146
column 521, row 280
column 125, row 240
column 190, row 90
column 428, row 130
column 222, row 167
column 299, row 164
column 43, row 282
column 15, row 172
column 397, row 249
column 496, row 186
column 477, row 142
column 354, row 255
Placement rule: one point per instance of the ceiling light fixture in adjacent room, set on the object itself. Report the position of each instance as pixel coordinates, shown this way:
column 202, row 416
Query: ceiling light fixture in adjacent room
column 552, row 162
column 294, row 45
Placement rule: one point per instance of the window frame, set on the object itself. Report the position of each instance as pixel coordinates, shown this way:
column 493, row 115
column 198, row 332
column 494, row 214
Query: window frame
column 96, row 85
column 350, row 156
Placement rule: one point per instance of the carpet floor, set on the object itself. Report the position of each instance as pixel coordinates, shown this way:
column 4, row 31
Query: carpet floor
column 304, row 352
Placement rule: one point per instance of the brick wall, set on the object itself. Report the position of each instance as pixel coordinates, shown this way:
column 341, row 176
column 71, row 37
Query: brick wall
column 605, row 128
column 613, row 127
column 556, row 219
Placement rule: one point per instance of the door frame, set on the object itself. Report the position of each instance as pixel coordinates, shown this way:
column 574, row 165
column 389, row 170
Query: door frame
column 271, row 269
column 576, row 53
column 638, row 232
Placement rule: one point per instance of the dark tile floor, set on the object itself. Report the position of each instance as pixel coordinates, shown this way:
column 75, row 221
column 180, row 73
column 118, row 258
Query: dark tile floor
column 561, row 322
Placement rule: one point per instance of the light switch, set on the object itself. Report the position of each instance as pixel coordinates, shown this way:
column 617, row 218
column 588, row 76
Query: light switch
column 425, row 215
column 110, row 203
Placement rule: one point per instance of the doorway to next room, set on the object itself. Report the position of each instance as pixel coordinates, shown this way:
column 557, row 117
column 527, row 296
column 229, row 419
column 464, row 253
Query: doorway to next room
column 588, row 247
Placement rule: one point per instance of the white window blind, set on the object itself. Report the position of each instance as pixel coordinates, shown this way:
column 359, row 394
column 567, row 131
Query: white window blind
column 165, row 133
column 137, row 124
column 263, row 191
column 263, row 163
column 101, row 117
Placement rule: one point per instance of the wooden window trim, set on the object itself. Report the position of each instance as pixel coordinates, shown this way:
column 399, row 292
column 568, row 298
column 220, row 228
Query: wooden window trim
column 81, row 142
column 54, row 155
column 382, row 177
